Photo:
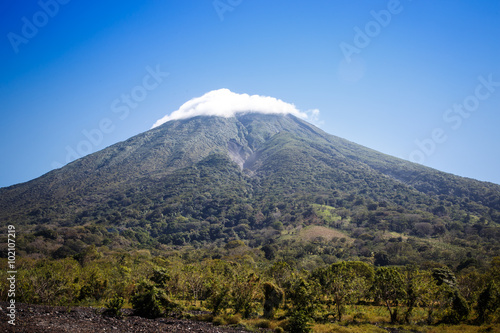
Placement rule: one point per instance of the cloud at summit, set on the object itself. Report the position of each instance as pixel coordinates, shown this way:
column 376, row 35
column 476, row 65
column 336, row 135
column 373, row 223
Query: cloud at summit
column 225, row 103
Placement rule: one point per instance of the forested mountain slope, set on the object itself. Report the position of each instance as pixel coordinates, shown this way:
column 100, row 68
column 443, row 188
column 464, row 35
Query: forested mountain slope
column 258, row 178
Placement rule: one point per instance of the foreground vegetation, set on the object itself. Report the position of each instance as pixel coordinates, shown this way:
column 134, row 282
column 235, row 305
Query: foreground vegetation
column 234, row 285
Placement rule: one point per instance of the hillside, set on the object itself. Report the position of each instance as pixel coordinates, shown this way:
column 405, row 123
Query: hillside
column 260, row 179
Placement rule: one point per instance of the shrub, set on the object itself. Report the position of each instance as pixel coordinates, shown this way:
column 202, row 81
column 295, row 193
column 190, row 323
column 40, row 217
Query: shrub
column 233, row 320
column 273, row 296
column 219, row 298
column 208, row 317
column 114, row 306
column 299, row 322
column 146, row 301
column 219, row 320
column 459, row 310
column 488, row 302
column 94, row 288
column 359, row 316
column 263, row 323
column 151, row 302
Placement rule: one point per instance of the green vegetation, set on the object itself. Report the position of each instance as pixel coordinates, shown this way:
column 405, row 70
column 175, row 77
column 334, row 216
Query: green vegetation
column 234, row 216
column 301, row 194
column 246, row 289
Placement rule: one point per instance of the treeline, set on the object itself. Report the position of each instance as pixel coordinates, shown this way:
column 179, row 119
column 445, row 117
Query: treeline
column 404, row 237
column 235, row 286
column 213, row 201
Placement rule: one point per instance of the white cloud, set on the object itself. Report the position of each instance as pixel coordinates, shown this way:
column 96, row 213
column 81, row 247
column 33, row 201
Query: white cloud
column 225, row 103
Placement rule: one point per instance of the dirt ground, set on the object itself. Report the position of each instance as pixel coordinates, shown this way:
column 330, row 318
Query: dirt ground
column 47, row 319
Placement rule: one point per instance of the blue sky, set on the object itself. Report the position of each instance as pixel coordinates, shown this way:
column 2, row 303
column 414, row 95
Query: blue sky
column 415, row 79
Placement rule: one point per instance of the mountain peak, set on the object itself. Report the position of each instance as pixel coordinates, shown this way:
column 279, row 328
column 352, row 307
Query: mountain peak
column 211, row 178
column 225, row 103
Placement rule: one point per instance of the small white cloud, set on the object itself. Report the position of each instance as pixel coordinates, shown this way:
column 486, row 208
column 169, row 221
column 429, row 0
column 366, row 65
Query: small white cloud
column 225, row 103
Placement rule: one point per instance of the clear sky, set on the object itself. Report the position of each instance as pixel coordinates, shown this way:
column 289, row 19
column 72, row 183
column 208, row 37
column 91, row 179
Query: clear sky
column 415, row 79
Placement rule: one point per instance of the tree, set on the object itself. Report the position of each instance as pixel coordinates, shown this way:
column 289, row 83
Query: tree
column 283, row 276
column 459, row 309
column 219, row 296
column 114, row 306
column 304, row 297
column 444, row 275
column 471, row 282
column 381, row 259
column 417, row 286
column 244, row 292
column 193, row 278
column 87, row 255
column 388, row 286
column 94, row 288
column 447, row 298
column 344, row 282
column 49, row 282
column 439, row 298
column 488, row 302
column 299, row 322
column 273, row 296
column 219, row 284
column 148, row 301
column 269, row 251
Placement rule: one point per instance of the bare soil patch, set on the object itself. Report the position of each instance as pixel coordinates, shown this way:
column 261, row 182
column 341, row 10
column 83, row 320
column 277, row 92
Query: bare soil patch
column 43, row 319
column 313, row 232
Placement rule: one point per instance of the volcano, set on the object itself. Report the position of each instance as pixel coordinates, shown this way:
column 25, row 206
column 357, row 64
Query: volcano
column 250, row 177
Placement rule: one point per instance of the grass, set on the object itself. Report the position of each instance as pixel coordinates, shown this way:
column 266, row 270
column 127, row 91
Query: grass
column 357, row 319
column 393, row 234
column 464, row 329
column 258, row 323
column 327, row 213
column 334, row 327
column 346, row 327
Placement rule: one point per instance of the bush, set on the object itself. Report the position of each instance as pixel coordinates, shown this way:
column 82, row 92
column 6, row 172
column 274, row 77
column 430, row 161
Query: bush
column 219, row 299
column 459, row 310
column 225, row 320
column 146, row 302
column 151, row 302
column 299, row 322
column 219, row 320
column 273, row 296
column 263, row 323
column 488, row 302
column 358, row 316
column 233, row 320
column 208, row 317
column 114, row 307
column 94, row 288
